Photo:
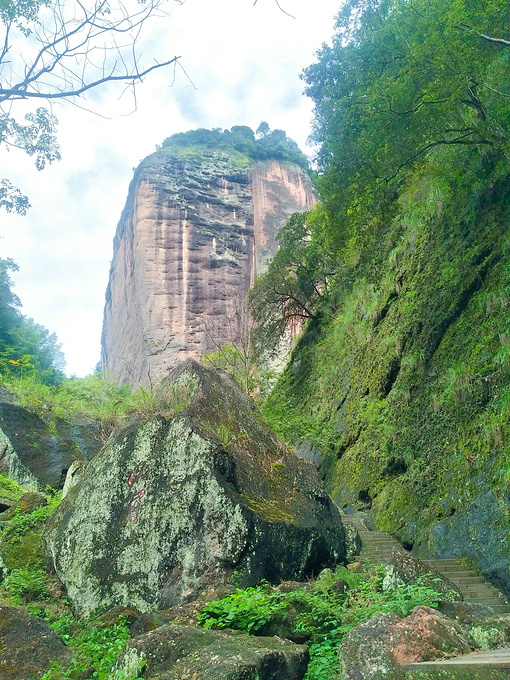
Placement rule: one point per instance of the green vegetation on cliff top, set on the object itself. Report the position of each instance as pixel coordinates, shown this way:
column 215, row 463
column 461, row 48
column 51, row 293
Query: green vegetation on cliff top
column 240, row 139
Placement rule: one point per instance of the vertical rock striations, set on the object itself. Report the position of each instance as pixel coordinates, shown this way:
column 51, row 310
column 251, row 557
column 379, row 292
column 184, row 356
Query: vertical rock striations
column 195, row 231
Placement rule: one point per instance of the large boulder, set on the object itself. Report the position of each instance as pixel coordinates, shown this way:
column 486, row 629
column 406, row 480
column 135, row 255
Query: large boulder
column 178, row 504
column 28, row 646
column 378, row 649
column 35, row 454
column 175, row 651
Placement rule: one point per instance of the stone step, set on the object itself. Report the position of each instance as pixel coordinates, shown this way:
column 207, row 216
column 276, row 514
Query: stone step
column 493, row 664
column 466, row 580
column 481, row 588
column 489, row 601
column 439, row 563
column 501, row 608
column 378, row 546
column 454, row 575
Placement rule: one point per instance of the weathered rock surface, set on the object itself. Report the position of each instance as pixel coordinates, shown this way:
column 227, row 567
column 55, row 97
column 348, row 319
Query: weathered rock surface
column 174, row 652
column 28, row 646
column 34, row 455
column 176, row 505
column 378, row 649
column 194, row 233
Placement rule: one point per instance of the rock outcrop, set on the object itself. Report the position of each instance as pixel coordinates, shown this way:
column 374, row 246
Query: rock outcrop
column 35, row 454
column 28, row 646
column 195, row 231
column 177, row 651
column 181, row 503
column 378, row 649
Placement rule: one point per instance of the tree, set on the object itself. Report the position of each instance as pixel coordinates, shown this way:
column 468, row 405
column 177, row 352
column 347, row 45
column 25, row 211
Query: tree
column 25, row 347
column 402, row 79
column 296, row 282
column 54, row 50
column 263, row 129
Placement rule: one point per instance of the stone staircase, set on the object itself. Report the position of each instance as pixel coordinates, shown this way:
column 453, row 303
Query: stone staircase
column 377, row 547
column 474, row 588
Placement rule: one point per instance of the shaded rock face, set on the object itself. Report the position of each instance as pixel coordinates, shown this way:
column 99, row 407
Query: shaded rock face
column 378, row 649
column 34, row 455
column 194, row 233
column 179, row 504
column 28, row 646
column 177, row 651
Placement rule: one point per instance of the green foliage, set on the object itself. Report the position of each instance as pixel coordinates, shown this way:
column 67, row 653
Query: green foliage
column 22, row 522
column 401, row 81
column 488, row 637
column 25, row 585
column 26, row 348
column 247, row 609
column 296, row 283
column 9, row 488
column 241, row 138
column 96, row 648
column 98, row 398
column 322, row 613
column 21, row 548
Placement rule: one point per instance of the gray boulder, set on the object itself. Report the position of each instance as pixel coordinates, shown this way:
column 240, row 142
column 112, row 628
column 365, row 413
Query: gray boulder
column 378, row 649
column 174, row 652
column 409, row 569
column 35, row 455
column 28, row 646
column 180, row 504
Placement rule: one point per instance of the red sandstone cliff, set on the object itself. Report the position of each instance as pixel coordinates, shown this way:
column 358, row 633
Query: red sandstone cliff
column 194, row 233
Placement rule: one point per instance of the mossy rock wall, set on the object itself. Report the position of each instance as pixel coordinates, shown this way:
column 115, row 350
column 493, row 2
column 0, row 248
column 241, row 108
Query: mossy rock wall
column 405, row 386
column 172, row 507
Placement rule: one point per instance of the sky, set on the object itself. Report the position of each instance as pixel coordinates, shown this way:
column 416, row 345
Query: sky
column 242, row 63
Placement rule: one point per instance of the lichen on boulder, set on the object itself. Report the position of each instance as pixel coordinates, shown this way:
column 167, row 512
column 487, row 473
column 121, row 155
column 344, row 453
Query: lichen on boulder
column 175, row 505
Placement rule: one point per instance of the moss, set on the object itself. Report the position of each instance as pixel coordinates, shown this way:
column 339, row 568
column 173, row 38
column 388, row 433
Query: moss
column 414, row 366
column 10, row 489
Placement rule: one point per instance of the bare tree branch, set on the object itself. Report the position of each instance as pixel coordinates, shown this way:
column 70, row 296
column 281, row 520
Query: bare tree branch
column 501, row 41
column 79, row 46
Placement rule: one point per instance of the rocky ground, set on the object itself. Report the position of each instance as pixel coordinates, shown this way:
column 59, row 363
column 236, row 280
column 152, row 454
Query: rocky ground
column 196, row 545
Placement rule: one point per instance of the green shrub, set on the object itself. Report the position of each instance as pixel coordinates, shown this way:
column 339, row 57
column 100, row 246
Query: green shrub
column 25, row 585
column 323, row 614
column 10, row 489
column 96, row 648
column 488, row 637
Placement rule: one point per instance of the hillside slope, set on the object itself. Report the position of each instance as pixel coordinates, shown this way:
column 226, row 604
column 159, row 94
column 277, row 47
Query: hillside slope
column 401, row 380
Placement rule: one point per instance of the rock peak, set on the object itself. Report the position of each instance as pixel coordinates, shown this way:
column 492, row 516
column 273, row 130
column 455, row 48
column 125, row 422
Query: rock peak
column 195, row 231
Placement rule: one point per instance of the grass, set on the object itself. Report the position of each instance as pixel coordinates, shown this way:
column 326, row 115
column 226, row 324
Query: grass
column 99, row 399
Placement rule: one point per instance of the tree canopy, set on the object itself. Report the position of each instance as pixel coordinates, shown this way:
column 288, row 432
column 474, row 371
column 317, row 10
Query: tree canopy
column 412, row 116
column 402, row 79
column 26, row 348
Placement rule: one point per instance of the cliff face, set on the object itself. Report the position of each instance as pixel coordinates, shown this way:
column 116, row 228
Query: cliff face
column 195, row 231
